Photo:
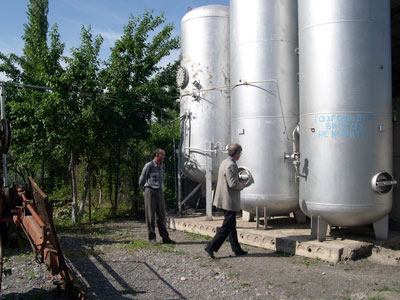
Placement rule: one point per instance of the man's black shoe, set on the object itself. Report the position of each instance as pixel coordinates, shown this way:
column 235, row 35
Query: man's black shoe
column 240, row 252
column 210, row 252
column 169, row 241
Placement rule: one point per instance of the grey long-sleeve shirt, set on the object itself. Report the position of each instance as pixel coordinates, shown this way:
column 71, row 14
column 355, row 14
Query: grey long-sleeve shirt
column 152, row 176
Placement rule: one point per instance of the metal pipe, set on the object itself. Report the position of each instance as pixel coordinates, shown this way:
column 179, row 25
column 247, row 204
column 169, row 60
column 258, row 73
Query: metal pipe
column 191, row 194
column 35, row 215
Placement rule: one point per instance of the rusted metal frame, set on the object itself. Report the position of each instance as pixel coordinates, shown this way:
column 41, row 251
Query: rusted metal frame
column 40, row 201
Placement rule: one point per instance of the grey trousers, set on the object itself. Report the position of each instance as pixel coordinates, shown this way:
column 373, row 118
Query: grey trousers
column 154, row 204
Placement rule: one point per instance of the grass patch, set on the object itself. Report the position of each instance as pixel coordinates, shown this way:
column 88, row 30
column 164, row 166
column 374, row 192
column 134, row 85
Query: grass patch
column 138, row 244
column 203, row 265
column 196, row 257
column 233, row 275
column 244, row 284
column 386, row 289
column 377, row 297
column 308, row 261
column 196, row 236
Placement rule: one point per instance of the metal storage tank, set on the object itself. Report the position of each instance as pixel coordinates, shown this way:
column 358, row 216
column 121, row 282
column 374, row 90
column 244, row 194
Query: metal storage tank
column 345, row 113
column 394, row 216
column 264, row 95
column 203, row 78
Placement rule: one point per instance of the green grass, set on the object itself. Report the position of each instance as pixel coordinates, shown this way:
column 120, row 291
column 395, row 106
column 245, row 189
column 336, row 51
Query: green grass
column 138, row 244
column 233, row 275
column 196, row 257
column 386, row 289
column 308, row 261
column 376, row 298
column 244, row 284
column 196, row 236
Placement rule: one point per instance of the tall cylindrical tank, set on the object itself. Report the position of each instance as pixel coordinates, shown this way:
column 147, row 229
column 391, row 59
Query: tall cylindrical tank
column 395, row 213
column 345, row 110
column 204, row 81
column 264, row 95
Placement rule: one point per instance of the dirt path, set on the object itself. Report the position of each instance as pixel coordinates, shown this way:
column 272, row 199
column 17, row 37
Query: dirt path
column 114, row 261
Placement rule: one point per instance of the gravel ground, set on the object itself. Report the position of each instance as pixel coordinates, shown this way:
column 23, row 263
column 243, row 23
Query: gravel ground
column 114, row 261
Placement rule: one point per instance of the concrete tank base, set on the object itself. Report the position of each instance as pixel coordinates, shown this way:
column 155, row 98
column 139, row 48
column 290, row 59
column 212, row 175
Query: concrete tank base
column 284, row 235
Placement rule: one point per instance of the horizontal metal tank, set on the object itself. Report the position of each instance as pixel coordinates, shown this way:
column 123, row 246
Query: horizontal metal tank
column 205, row 96
column 264, row 95
column 345, row 112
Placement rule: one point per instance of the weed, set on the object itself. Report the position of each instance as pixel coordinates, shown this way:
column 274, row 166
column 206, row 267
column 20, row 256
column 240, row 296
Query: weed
column 244, row 284
column 347, row 268
column 7, row 272
column 196, row 257
column 294, row 282
column 32, row 274
column 202, row 265
column 308, row 262
column 179, row 253
column 233, row 275
column 346, row 298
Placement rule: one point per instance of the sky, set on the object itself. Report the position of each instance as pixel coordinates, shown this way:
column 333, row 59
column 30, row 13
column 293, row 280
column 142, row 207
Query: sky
column 106, row 17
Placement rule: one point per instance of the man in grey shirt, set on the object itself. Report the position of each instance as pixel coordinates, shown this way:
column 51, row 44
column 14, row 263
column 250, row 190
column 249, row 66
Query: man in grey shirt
column 152, row 182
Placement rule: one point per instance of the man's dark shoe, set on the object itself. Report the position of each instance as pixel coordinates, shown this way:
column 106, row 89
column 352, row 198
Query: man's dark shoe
column 209, row 251
column 240, row 252
column 169, row 241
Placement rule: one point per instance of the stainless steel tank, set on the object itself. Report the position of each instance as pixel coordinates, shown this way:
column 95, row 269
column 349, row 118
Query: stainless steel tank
column 205, row 96
column 264, row 95
column 345, row 111
column 395, row 213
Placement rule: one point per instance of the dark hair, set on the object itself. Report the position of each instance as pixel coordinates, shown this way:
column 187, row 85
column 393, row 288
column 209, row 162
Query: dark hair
column 157, row 152
column 234, row 149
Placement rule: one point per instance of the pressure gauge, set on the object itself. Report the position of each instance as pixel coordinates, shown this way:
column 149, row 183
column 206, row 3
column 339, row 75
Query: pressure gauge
column 182, row 77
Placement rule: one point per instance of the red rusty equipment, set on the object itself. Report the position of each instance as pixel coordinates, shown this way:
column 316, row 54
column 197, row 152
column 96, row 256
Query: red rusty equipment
column 31, row 211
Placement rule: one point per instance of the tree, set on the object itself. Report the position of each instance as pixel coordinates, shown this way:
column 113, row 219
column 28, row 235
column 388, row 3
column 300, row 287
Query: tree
column 133, row 77
column 33, row 113
column 83, row 101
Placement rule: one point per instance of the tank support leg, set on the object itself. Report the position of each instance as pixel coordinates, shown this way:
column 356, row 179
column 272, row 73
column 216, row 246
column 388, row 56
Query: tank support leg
column 247, row 216
column 209, row 183
column 265, row 218
column 300, row 217
column 381, row 228
column 319, row 228
column 257, row 218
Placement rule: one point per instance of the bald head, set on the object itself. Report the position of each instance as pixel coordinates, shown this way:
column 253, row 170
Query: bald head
column 234, row 150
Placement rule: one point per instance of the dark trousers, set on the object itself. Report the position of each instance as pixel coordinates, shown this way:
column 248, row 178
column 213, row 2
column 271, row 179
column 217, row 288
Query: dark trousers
column 228, row 228
column 154, row 205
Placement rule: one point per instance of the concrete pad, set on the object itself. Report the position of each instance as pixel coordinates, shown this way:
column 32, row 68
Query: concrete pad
column 284, row 235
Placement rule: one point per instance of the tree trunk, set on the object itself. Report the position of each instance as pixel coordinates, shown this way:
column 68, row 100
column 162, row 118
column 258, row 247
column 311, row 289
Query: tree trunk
column 100, row 187
column 117, row 180
column 86, row 189
column 136, row 171
column 110, row 179
column 74, row 189
column 90, row 202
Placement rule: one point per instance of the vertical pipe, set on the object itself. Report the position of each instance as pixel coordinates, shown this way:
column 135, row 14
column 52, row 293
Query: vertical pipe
column 209, row 182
